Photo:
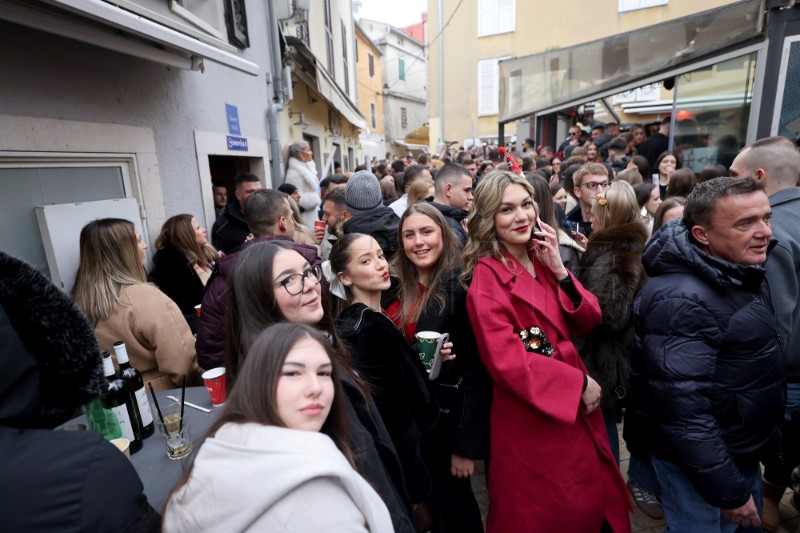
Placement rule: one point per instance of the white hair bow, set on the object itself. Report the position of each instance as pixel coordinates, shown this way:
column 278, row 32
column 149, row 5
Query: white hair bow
column 337, row 289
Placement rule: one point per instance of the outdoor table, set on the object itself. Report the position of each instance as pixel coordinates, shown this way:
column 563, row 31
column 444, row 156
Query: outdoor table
column 157, row 472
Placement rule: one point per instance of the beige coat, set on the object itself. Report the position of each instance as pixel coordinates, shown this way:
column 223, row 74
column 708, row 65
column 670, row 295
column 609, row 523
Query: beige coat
column 159, row 342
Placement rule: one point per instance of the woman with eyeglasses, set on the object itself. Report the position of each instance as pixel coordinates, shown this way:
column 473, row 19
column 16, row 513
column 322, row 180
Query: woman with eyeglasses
column 381, row 355
column 271, row 283
column 551, row 466
column 612, row 270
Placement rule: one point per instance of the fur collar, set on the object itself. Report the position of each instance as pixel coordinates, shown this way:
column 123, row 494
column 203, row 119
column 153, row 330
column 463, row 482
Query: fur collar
column 307, row 170
column 625, row 236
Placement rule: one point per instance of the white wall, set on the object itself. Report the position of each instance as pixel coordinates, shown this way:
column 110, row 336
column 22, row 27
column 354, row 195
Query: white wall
column 47, row 76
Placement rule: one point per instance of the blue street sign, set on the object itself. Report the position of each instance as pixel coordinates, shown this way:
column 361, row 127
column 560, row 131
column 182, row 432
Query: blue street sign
column 237, row 143
column 232, row 114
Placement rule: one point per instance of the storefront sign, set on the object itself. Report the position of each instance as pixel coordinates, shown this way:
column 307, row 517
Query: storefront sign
column 237, row 143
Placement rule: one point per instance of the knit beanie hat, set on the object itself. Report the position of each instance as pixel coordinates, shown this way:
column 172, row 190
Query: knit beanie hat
column 362, row 193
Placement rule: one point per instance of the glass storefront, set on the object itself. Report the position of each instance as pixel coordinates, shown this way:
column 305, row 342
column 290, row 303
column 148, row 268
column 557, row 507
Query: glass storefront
column 712, row 112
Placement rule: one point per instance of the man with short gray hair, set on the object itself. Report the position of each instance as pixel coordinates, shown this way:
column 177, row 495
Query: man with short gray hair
column 775, row 161
column 707, row 388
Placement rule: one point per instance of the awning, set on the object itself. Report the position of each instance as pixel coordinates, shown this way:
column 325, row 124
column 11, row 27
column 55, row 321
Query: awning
column 103, row 24
column 548, row 81
column 420, row 136
column 411, row 146
column 320, row 82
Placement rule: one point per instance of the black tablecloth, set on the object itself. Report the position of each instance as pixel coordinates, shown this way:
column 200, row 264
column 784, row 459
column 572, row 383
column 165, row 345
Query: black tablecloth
column 157, row 472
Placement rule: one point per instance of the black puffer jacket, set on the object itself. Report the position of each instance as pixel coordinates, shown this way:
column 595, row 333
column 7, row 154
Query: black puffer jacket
column 706, row 368
column 381, row 223
column 175, row 276
column 49, row 366
column 453, row 217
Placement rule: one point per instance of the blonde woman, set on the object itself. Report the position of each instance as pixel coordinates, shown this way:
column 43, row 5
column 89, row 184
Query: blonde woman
column 420, row 191
column 302, row 233
column 547, row 435
column 183, row 263
column 112, row 291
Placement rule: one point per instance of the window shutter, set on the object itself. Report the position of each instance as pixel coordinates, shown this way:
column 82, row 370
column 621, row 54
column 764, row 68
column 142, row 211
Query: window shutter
column 488, row 96
column 371, row 59
column 505, row 16
column 401, row 64
column 487, row 19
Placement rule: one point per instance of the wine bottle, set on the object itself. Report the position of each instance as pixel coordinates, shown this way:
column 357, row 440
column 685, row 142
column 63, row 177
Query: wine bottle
column 119, row 401
column 135, row 384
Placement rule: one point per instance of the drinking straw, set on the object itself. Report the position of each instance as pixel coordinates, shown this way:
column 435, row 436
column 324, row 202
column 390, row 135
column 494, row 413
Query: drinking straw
column 153, row 394
column 183, row 403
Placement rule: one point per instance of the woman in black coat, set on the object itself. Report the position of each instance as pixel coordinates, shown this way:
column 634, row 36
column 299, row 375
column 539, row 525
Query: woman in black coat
column 183, row 264
column 381, row 355
column 429, row 297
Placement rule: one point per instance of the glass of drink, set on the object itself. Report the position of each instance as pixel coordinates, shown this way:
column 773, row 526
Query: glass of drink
column 175, row 432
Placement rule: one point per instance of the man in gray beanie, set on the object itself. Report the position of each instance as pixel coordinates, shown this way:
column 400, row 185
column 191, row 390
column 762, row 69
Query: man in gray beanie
column 364, row 202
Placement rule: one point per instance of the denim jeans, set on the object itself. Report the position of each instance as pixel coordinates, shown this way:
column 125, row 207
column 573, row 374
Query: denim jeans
column 610, row 418
column 641, row 472
column 687, row 512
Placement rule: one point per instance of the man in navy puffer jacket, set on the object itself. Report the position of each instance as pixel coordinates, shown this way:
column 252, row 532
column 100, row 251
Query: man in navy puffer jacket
column 707, row 375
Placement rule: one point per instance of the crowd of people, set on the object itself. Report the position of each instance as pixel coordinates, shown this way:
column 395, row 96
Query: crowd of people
column 578, row 294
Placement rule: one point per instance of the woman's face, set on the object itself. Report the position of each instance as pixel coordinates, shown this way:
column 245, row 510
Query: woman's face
column 515, row 217
column 305, row 307
column 141, row 244
column 556, row 165
column 305, row 154
column 305, row 387
column 422, row 241
column 561, row 197
column 199, row 233
column 667, row 166
column 638, row 135
column 367, row 270
column 653, row 201
column 672, row 214
column 296, row 196
column 591, row 152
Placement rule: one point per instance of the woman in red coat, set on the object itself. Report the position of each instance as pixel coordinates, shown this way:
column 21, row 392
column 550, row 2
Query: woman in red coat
column 551, row 467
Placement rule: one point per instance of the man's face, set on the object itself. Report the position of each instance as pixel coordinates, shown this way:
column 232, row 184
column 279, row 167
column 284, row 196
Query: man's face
column 459, row 194
column 595, row 134
column 220, row 196
column 740, row 230
column 591, row 186
column 574, row 134
column 473, row 169
column 740, row 168
column 245, row 189
column 288, row 221
column 330, row 215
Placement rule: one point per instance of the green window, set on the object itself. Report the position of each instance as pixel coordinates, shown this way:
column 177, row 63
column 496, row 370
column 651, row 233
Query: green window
column 401, row 63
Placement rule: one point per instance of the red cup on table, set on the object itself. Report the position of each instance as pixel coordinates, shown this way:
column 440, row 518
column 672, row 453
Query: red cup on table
column 215, row 383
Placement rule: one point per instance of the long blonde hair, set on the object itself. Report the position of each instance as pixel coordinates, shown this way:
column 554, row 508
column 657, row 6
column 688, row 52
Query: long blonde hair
column 109, row 262
column 302, row 233
column 483, row 241
column 617, row 206
column 178, row 232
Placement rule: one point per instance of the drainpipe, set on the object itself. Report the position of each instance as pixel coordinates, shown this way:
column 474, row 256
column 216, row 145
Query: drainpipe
column 441, row 78
column 279, row 98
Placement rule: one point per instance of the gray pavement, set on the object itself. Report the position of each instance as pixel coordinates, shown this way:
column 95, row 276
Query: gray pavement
column 640, row 522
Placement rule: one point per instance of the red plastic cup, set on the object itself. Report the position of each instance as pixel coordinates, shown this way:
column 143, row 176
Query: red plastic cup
column 215, row 383
column 197, row 309
column 319, row 224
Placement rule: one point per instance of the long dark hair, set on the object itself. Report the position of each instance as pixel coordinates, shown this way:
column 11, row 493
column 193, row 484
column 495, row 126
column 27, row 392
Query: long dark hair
column 251, row 307
column 411, row 306
column 253, row 400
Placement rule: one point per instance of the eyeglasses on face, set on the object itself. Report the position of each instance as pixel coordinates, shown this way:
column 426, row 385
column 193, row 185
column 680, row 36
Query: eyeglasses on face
column 593, row 185
column 295, row 283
